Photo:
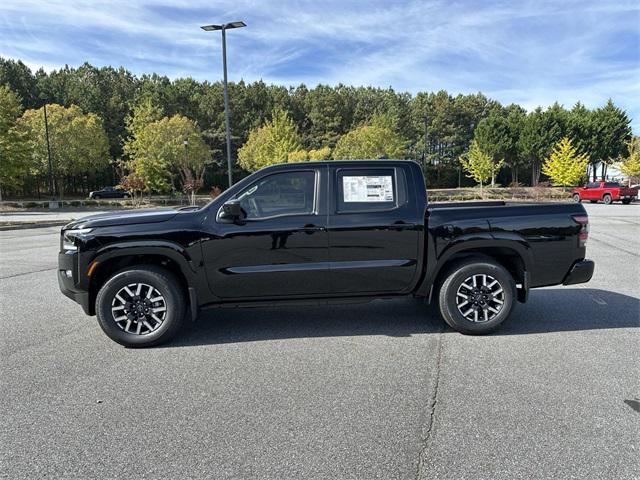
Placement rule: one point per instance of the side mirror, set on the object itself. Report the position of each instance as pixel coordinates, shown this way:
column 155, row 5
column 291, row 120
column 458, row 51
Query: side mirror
column 232, row 211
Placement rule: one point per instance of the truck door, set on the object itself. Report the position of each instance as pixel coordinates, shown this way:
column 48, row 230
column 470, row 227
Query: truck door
column 373, row 233
column 593, row 191
column 281, row 248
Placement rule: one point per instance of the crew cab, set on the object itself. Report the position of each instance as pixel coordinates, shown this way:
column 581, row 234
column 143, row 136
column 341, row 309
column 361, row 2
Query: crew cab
column 608, row 192
column 319, row 233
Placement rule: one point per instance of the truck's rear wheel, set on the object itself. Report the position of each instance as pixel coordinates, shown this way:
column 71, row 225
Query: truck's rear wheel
column 477, row 296
column 141, row 307
column 626, row 201
column 607, row 199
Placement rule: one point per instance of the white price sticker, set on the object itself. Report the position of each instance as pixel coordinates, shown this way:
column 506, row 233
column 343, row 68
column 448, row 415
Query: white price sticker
column 367, row 189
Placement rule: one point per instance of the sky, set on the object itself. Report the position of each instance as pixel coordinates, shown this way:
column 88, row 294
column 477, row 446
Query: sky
column 528, row 52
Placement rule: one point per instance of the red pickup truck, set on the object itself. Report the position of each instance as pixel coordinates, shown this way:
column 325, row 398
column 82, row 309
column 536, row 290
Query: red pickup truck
column 608, row 192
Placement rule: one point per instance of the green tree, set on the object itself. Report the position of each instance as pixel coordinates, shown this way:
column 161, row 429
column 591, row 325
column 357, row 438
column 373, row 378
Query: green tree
column 271, row 143
column 498, row 134
column 493, row 137
column 328, row 113
column 376, row 140
column 540, row 132
column 15, row 149
column 161, row 155
column 565, row 166
column 78, row 141
column 612, row 132
column 479, row 165
column 18, row 77
column 630, row 166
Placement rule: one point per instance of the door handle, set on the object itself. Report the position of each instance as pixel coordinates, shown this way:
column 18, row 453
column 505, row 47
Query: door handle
column 310, row 228
column 401, row 225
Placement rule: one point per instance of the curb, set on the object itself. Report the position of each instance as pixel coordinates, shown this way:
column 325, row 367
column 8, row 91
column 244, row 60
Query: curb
column 29, row 225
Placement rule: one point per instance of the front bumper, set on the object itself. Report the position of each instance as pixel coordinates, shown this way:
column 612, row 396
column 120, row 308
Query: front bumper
column 68, row 263
column 581, row 272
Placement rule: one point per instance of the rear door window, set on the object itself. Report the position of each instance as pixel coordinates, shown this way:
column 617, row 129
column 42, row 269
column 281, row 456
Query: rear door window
column 370, row 189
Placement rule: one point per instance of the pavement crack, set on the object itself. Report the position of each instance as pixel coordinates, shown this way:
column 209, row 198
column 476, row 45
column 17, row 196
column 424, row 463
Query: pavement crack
column 27, row 273
column 433, row 403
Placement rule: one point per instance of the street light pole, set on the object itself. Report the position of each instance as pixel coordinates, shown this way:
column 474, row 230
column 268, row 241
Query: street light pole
column 426, row 138
column 46, row 134
column 223, row 28
column 226, row 103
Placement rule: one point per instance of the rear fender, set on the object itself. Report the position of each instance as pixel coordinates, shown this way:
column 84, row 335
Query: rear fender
column 506, row 241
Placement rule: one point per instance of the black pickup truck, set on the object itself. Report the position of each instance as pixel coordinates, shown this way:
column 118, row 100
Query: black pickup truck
column 319, row 232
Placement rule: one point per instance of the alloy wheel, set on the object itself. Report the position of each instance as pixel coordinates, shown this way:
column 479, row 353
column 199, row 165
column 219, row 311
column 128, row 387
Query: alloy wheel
column 138, row 308
column 480, row 298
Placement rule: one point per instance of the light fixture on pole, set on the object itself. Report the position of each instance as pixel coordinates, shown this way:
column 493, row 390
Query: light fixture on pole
column 223, row 28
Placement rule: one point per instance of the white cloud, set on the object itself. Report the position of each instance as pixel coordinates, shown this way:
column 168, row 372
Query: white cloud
column 515, row 51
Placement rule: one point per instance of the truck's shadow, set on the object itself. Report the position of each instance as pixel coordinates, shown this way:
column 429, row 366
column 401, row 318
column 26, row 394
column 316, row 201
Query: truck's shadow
column 548, row 310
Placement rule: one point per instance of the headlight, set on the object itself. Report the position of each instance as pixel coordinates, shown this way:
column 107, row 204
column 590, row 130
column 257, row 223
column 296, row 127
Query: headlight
column 69, row 237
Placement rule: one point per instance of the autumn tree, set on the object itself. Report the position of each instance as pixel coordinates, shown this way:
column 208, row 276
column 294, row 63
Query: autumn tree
column 15, row 149
column 144, row 172
column 314, row 155
column 479, row 165
column 565, row 166
column 630, row 166
column 167, row 149
column 78, row 141
column 374, row 140
column 270, row 144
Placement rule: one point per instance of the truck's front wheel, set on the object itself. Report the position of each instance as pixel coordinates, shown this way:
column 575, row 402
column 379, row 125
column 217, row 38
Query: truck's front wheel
column 141, row 307
column 477, row 296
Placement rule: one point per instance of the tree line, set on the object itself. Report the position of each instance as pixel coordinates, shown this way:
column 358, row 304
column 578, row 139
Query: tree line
column 107, row 126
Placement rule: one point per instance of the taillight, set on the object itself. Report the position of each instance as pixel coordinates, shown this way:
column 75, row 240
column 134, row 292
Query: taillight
column 583, row 234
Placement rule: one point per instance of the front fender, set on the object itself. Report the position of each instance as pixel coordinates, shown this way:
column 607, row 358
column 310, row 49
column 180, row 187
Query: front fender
column 179, row 255
column 146, row 247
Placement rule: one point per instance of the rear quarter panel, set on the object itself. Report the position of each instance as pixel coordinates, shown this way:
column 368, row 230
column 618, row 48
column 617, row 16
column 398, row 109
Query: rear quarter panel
column 550, row 232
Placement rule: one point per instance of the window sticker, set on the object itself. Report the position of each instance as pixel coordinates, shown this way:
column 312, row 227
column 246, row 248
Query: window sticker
column 367, row 188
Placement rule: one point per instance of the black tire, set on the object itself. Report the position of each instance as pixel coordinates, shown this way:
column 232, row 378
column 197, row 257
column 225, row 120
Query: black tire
column 159, row 279
column 626, row 201
column 96, row 197
column 126, row 195
column 607, row 199
column 576, row 198
column 453, row 283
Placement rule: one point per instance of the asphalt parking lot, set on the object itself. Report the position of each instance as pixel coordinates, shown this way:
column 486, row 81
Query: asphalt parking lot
column 381, row 390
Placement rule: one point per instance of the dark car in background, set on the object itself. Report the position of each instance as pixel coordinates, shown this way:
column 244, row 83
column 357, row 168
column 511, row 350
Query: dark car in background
column 109, row 192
